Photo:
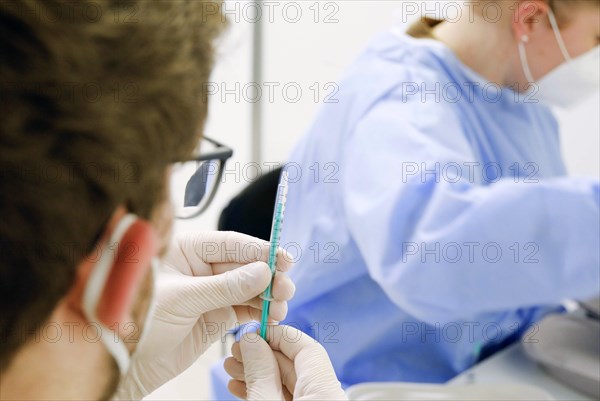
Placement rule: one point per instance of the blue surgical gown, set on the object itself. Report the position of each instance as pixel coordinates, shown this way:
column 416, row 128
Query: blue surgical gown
column 431, row 217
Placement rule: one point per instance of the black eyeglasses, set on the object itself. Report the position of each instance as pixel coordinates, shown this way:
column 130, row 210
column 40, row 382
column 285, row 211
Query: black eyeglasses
column 194, row 182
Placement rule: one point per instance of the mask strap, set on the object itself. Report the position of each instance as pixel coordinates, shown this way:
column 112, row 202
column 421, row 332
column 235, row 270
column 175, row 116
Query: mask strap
column 93, row 291
column 559, row 39
column 523, row 57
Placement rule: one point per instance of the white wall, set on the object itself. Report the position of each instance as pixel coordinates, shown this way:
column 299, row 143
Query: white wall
column 309, row 52
column 580, row 134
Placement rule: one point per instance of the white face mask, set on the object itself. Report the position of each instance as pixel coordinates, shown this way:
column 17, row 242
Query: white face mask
column 93, row 292
column 569, row 83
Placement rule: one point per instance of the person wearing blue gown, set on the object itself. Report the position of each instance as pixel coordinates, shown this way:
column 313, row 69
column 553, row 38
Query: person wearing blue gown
column 429, row 208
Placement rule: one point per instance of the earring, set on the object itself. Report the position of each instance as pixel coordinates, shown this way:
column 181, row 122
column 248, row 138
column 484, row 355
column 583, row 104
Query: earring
column 523, row 57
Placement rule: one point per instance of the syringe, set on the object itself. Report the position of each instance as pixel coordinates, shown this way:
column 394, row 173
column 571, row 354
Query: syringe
column 276, row 225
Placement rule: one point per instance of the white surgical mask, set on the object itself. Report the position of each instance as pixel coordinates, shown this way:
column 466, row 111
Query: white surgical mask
column 569, row 83
column 93, row 292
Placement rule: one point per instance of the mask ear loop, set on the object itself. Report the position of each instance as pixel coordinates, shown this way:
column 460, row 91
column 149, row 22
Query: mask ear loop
column 559, row 39
column 523, row 57
column 93, row 291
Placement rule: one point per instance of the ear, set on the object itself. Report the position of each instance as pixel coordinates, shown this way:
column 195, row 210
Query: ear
column 529, row 18
column 108, row 280
column 133, row 254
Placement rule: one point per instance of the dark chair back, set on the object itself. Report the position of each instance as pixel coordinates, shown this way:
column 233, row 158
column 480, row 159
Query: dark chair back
column 251, row 211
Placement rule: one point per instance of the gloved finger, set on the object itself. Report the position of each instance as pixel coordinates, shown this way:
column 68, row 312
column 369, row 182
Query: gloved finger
column 290, row 341
column 254, row 303
column 234, row 368
column 213, row 326
column 220, row 321
column 287, row 371
column 236, row 353
column 237, row 388
column 220, row 268
column 277, row 310
column 203, row 294
column 311, row 362
column 228, row 247
column 261, row 372
column 221, row 246
column 175, row 260
column 284, row 262
column 283, row 290
column 283, row 287
column 245, row 313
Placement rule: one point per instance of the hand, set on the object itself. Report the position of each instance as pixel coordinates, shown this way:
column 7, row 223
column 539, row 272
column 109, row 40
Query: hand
column 208, row 283
column 292, row 366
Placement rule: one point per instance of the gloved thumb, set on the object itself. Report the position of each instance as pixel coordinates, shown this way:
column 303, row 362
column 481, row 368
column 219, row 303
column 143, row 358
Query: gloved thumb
column 261, row 371
column 234, row 287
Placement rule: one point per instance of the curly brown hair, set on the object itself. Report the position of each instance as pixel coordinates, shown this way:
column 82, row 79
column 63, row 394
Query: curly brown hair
column 97, row 98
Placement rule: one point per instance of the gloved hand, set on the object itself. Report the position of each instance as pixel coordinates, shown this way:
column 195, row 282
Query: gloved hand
column 208, row 283
column 291, row 366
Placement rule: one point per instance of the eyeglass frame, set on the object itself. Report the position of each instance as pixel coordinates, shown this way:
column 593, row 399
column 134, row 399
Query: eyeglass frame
column 222, row 153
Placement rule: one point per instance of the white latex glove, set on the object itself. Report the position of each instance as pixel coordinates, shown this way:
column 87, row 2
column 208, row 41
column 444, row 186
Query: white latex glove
column 209, row 283
column 291, row 366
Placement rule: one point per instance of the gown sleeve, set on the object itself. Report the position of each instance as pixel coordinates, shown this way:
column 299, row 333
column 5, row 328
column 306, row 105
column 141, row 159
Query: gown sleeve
column 445, row 246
